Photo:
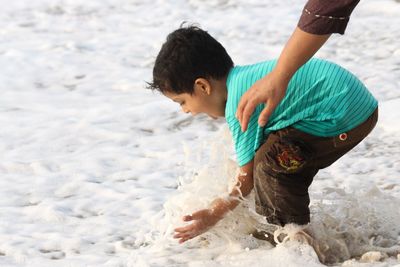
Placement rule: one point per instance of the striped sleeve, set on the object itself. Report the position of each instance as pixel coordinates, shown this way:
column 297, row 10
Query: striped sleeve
column 244, row 141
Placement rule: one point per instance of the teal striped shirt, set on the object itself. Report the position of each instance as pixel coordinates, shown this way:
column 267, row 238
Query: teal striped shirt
column 322, row 99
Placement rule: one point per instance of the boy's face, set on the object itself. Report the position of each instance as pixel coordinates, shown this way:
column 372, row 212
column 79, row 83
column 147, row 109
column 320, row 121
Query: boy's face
column 207, row 98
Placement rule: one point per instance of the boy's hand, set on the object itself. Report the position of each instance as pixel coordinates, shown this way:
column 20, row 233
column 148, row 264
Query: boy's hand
column 202, row 221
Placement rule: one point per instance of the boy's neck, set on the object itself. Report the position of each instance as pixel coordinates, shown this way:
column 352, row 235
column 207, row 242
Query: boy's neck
column 220, row 94
column 222, row 89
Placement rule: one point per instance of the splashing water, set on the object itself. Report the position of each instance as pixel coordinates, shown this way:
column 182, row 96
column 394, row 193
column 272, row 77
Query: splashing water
column 345, row 225
column 350, row 225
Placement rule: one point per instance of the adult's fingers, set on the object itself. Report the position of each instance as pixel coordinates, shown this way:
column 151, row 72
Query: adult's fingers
column 242, row 104
column 266, row 113
column 247, row 112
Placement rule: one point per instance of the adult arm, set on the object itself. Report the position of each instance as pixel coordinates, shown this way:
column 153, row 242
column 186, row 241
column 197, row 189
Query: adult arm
column 319, row 19
column 203, row 220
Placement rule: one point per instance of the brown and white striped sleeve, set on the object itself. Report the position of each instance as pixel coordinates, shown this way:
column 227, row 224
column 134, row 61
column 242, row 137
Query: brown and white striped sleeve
column 326, row 16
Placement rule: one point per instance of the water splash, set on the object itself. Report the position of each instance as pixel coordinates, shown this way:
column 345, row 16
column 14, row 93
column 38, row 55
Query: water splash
column 345, row 225
column 348, row 225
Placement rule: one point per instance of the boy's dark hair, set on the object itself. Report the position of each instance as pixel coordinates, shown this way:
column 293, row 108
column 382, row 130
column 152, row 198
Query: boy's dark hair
column 189, row 53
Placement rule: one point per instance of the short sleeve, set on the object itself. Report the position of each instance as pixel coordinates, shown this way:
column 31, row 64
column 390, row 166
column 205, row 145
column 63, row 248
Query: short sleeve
column 326, row 16
column 245, row 142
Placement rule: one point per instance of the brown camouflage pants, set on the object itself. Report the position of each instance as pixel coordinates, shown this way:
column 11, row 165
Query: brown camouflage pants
column 285, row 165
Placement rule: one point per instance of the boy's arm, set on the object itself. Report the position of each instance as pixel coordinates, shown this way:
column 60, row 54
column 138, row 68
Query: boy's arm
column 203, row 220
column 243, row 187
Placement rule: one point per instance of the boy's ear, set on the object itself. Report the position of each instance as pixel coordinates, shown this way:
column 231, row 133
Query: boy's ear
column 202, row 85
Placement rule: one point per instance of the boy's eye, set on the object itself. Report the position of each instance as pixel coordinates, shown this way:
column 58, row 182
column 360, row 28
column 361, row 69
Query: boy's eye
column 182, row 103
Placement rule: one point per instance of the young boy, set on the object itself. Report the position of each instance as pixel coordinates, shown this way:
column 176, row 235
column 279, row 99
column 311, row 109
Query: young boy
column 326, row 112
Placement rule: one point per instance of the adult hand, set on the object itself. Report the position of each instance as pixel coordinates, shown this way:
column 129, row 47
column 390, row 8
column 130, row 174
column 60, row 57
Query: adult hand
column 272, row 88
column 202, row 221
column 269, row 90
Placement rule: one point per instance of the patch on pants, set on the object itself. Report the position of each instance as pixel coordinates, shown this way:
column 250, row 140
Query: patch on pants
column 290, row 156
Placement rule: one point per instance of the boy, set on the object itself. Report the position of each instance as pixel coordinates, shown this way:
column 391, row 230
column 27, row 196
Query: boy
column 326, row 112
